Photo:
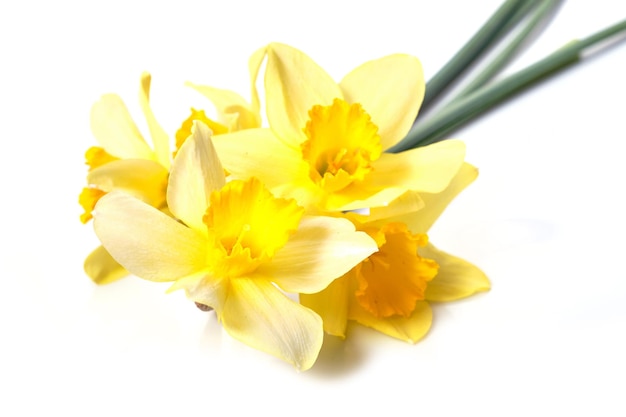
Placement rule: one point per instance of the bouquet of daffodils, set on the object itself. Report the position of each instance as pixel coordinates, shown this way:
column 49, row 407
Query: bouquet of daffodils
column 290, row 230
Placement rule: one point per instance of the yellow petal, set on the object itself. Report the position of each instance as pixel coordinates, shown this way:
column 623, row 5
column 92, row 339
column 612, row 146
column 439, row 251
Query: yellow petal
column 456, row 278
column 185, row 128
column 142, row 178
column 250, row 224
column 96, row 156
column 116, row 131
column 160, row 139
column 409, row 202
column 204, row 288
column 195, row 173
column 332, row 305
column 435, row 204
column 88, row 198
column 359, row 196
column 322, row 249
column 254, row 66
column 427, row 169
column 391, row 90
column 294, row 83
column 102, row 268
column 261, row 316
column 393, row 279
column 145, row 241
column 410, row 329
column 232, row 109
column 259, row 153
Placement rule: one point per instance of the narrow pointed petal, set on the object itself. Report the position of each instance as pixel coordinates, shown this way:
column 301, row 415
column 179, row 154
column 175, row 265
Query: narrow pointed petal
column 435, row 204
column 195, row 173
column 144, row 179
column 204, row 288
column 410, row 329
column 232, row 109
column 456, row 278
column 254, row 67
column 358, row 197
column 160, row 139
column 409, row 202
column 427, row 169
column 332, row 305
column 322, row 249
column 259, row 153
column 145, row 241
column 294, row 83
column 116, row 131
column 395, row 97
column 102, row 268
column 261, row 316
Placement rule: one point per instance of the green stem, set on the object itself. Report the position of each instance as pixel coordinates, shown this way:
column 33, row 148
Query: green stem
column 450, row 118
column 495, row 66
column 480, row 42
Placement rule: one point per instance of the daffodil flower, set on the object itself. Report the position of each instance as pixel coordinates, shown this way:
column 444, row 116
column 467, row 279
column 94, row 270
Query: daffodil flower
column 123, row 161
column 235, row 247
column 391, row 290
column 234, row 113
column 328, row 139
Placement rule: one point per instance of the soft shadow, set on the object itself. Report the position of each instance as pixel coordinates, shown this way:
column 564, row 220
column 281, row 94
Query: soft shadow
column 338, row 358
column 508, row 234
column 128, row 297
column 211, row 337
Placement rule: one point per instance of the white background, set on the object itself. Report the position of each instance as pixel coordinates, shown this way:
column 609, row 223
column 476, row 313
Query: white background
column 545, row 221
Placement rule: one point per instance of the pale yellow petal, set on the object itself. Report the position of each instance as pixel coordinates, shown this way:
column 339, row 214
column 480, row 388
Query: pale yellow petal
column 391, row 90
column 204, row 288
column 456, row 278
column 254, row 66
column 410, row 329
column 426, row 169
column 259, row 153
column 195, row 173
column 261, row 316
column 304, row 191
column 294, row 83
column 160, row 139
column 144, row 179
column 358, row 196
column 322, row 249
column 145, row 241
column 332, row 305
column 409, row 202
column 435, row 204
column 102, row 268
column 232, row 109
column 116, row 131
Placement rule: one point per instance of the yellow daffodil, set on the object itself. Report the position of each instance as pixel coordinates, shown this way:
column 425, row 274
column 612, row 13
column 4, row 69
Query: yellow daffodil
column 233, row 111
column 235, row 248
column 326, row 140
column 391, row 290
column 123, row 161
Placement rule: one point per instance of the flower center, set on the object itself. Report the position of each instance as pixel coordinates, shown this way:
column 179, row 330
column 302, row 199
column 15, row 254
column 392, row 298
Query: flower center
column 97, row 156
column 392, row 280
column 185, row 129
column 248, row 225
column 342, row 142
column 88, row 199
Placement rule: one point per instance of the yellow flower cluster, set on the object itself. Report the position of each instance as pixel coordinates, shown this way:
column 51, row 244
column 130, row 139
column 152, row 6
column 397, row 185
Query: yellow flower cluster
column 241, row 215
